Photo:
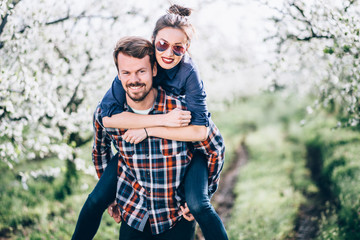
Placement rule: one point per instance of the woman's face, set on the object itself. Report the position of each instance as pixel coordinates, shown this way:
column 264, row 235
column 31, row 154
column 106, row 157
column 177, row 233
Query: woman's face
column 170, row 47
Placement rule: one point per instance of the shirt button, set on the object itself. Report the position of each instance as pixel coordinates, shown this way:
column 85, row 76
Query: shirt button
column 147, row 155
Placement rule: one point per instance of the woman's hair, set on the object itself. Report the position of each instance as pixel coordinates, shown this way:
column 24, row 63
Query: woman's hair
column 176, row 17
column 136, row 47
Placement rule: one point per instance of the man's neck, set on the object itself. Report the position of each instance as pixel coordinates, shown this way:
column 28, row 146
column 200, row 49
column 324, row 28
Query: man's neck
column 146, row 103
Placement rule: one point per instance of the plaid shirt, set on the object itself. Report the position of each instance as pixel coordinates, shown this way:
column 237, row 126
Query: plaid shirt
column 150, row 172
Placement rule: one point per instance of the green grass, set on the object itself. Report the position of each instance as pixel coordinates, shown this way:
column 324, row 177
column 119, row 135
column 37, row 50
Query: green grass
column 270, row 185
column 39, row 213
column 340, row 175
column 267, row 202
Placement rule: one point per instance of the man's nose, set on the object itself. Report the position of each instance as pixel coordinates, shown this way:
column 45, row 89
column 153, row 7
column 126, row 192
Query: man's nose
column 134, row 78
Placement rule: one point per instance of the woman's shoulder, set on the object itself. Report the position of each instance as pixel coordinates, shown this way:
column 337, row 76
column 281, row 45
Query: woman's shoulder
column 187, row 66
column 187, row 63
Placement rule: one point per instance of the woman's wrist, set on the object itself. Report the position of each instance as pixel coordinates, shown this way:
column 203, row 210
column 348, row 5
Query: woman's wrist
column 161, row 119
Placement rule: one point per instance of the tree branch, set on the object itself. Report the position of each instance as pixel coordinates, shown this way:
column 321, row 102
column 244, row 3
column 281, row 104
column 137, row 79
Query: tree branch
column 4, row 19
column 74, row 102
column 306, row 39
column 351, row 2
column 82, row 15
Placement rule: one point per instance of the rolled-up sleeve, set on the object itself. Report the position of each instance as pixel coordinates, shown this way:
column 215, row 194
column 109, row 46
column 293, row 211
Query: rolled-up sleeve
column 214, row 149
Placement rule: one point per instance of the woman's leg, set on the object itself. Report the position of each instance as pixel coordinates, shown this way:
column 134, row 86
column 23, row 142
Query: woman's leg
column 197, row 198
column 98, row 200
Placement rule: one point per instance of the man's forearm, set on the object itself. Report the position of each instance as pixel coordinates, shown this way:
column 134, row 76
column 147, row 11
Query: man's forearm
column 128, row 120
column 190, row 133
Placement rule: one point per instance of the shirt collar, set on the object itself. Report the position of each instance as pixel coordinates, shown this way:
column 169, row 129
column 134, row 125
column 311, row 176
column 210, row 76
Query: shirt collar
column 172, row 72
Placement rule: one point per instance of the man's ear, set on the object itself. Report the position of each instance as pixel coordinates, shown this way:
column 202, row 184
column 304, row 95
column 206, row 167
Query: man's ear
column 154, row 70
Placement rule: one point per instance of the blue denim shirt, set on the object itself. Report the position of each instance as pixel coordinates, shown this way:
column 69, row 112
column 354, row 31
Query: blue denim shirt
column 182, row 81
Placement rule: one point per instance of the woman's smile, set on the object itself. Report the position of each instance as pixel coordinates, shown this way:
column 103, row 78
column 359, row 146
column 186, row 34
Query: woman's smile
column 167, row 60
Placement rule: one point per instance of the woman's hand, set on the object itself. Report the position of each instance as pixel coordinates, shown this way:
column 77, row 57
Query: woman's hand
column 114, row 212
column 135, row 135
column 177, row 118
column 186, row 213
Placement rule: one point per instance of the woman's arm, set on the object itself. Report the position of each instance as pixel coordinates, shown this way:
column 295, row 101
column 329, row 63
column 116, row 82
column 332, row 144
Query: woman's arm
column 127, row 120
column 189, row 133
column 185, row 134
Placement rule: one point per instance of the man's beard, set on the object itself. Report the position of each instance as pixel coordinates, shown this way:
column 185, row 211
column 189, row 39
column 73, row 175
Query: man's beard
column 140, row 96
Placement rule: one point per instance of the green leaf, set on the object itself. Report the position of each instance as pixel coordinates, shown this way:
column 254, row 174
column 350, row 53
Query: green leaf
column 329, row 50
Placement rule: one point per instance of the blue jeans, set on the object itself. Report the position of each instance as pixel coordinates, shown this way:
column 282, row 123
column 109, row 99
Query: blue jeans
column 98, row 200
column 197, row 198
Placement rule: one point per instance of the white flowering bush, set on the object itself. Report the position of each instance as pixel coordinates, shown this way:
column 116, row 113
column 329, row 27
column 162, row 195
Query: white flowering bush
column 320, row 40
column 56, row 64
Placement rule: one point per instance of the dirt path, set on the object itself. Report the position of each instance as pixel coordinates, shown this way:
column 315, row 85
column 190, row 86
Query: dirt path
column 307, row 222
column 224, row 198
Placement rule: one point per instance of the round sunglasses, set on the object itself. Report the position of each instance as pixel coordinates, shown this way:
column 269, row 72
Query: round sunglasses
column 162, row 46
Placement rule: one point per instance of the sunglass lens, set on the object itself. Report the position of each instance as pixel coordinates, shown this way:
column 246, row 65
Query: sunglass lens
column 161, row 46
column 178, row 50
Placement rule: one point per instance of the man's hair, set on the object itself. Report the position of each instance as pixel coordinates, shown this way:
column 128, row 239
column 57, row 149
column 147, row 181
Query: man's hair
column 136, row 47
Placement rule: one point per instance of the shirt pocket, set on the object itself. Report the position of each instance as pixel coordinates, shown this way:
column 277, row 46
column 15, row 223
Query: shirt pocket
column 173, row 148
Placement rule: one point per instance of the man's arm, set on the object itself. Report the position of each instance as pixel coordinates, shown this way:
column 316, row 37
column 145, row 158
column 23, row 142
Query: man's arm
column 101, row 151
column 127, row 120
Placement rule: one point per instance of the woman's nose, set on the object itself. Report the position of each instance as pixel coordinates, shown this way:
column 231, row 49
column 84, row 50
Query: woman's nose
column 169, row 52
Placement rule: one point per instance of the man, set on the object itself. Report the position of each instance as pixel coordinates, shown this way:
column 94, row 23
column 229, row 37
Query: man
column 150, row 173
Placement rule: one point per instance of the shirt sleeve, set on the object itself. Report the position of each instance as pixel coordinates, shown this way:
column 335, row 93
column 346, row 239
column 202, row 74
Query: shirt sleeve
column 114, row 99
column 214, row 150
column 101, row 151
column 195, row 97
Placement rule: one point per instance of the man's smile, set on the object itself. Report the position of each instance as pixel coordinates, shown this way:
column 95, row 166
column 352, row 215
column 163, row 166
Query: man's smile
column 135, row 87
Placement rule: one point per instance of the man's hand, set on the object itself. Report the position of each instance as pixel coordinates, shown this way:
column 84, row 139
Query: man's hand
column 134, row 135
column 186, row 213
column 114, row 212
column 177, row 118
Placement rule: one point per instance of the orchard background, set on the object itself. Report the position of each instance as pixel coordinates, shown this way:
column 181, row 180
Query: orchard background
column 282, row 79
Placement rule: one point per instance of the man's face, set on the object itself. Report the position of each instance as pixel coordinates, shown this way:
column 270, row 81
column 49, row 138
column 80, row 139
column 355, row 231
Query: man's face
column 136, row 76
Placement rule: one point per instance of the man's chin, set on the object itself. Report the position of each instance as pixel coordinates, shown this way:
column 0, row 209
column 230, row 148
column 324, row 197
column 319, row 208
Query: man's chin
column 137, row 97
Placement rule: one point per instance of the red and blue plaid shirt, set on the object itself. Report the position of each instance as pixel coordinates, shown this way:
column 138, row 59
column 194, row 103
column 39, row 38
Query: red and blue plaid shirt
column 150, row 172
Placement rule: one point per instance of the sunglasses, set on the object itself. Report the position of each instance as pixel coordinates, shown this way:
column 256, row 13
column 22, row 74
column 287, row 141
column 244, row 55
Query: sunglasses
column 162, row 46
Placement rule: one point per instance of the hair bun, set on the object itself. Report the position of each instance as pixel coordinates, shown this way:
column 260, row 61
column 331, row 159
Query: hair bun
column 179, row 10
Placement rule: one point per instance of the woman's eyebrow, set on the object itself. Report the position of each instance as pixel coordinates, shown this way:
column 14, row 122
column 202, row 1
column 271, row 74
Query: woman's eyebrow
column 168, row 42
